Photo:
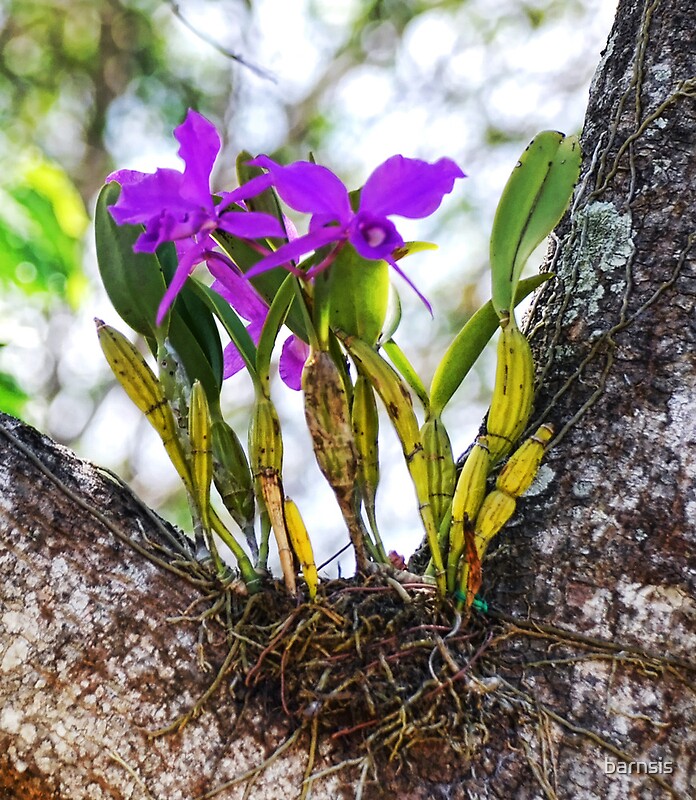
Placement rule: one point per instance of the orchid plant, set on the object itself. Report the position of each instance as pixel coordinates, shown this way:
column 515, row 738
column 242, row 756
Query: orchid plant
column 330, row 288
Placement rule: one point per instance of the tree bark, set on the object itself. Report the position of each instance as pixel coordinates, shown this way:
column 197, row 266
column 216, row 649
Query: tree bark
column 591, row 588
column 95, row 649
column 606, row 546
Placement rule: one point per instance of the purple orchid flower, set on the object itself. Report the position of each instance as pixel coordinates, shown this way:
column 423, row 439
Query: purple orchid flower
column 241, row 295
column 179, row 207
column 405, row 187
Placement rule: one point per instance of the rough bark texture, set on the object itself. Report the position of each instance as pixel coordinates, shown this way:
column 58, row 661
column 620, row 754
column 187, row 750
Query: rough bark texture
column 606, row 548
column 603, row 548
column 91, row 659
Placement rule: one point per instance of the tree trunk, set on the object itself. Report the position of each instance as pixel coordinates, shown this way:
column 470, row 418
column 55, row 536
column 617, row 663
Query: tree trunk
column 584, row 687
column 606, row 546
column 91, row 653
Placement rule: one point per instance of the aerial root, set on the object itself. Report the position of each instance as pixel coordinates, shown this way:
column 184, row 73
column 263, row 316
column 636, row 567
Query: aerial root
column 400, row 686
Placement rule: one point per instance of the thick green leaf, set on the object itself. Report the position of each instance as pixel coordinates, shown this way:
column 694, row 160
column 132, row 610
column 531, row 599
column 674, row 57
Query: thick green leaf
column 133, row 281
column 468, row 345
column 231, row 323
column 358, row 295
column 533, row 201
column 552, row 199
column 277, row 314
column 195, row 313
column 194, row 360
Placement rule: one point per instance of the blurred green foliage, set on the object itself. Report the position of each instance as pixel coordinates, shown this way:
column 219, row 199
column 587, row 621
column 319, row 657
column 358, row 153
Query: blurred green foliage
column 63, row 63
column 12, row 397
column 42, row 222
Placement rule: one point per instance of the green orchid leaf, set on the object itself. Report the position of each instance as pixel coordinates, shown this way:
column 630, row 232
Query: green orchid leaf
column 533, row 201
column 468, row 345
column 133, row 281
column 404, row 367
column 194, row 359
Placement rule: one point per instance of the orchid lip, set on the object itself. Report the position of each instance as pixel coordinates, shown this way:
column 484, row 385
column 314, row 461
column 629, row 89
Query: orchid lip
column 375, row 236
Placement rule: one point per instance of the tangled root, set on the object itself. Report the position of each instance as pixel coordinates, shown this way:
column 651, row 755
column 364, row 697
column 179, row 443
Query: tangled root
column 396, row 683
column 386, row 673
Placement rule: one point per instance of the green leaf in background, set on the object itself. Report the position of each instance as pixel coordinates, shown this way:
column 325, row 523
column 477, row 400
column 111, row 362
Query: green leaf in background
column 533, row 201
column 468, row 345
column 42, row 222
column 133, row 281
column 12, row 398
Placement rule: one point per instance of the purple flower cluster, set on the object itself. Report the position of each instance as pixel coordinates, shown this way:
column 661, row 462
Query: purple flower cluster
column 179, row 207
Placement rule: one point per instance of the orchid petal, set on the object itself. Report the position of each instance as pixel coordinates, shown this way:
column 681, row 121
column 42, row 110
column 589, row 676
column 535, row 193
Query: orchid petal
column 250, row 224
column 293, row 250
column 170, row 228
column 189, row 260
column 249, row 189
column 319, row 221
column 290, row 229
column 232, row 358
column 140, row 200
column 199, row 146
column 292, row 360
column 309, row 188
column 408, row 187
column 238, row 292
column 232, row 361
